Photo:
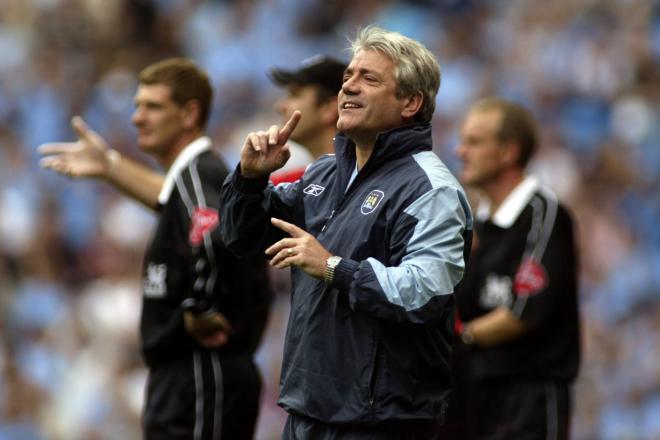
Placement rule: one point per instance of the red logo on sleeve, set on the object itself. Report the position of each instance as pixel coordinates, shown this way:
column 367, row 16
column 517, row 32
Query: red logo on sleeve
column 530, row 279
column 458, row 324
column 203, row 220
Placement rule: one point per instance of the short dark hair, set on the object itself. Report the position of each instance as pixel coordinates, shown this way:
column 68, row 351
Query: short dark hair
column 323, row 72
column 517, row 125
column 186, row 81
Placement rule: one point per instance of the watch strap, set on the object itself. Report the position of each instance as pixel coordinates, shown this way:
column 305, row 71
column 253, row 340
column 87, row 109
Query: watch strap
column 330, row 265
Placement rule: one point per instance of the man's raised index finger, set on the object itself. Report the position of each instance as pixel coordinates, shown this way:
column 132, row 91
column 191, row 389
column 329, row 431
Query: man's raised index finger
column 290, row 125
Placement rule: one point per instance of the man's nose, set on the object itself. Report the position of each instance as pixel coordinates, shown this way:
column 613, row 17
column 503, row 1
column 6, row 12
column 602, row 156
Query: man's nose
column 350, row 86
column 459, row 150
column 137, row 116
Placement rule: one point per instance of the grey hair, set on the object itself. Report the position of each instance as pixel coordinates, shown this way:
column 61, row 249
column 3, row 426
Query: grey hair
column 416, row 70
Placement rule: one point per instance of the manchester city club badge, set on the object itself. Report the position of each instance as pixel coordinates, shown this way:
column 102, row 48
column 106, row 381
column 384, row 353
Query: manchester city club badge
column 371, row 201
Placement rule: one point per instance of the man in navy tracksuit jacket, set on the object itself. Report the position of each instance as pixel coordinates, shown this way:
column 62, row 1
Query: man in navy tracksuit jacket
column 376, row 237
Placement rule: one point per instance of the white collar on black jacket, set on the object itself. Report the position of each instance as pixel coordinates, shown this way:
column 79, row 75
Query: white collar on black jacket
column 512, row 206
column 184, row 158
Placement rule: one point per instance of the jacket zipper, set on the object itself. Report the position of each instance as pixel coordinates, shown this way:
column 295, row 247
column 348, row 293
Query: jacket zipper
column 343, row 200
column 328, row 220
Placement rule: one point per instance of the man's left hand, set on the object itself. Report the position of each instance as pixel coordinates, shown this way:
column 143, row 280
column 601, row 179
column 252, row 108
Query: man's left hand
column 210, row 330
column 301, row 250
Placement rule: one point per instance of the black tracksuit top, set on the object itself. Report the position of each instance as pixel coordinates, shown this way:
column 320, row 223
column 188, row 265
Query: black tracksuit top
column 186, row 260
column 526, row 260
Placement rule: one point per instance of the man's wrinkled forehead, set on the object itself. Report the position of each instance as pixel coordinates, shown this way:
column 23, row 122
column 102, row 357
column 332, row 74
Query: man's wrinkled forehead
column 374, row 61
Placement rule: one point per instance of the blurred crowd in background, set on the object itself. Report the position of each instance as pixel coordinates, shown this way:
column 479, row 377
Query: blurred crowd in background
column 70, row 253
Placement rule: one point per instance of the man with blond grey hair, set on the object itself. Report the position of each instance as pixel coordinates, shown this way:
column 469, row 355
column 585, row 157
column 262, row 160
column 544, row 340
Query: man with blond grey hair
column 376, row 237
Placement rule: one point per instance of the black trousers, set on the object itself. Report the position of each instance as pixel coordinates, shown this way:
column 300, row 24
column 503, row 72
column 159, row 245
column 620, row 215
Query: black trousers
column 522, row 410
column 203, row 396
column 510, row 409
column 304, row 428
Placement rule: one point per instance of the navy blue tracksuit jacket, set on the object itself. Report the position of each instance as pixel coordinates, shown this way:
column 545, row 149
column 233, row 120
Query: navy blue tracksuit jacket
column 376, row 344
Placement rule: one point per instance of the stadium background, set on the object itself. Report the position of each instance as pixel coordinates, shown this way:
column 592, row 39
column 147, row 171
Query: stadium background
column 70, row 252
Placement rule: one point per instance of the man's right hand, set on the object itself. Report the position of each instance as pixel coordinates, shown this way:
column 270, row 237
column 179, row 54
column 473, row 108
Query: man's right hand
column 89, row 157
column 267, row 151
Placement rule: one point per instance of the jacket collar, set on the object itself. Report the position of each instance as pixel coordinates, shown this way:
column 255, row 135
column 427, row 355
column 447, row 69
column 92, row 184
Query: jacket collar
column 511, row 208
column 192, row 150
column 389, row 145
column 393, row 144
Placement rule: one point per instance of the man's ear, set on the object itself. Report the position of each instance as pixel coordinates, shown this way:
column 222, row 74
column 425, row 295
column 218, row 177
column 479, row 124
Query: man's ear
column 510, row 152
column 192, row 111
column 412, row 105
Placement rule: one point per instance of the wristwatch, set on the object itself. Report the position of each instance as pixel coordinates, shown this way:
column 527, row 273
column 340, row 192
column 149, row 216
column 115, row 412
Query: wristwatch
column 330, row 265
column 467, row 337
